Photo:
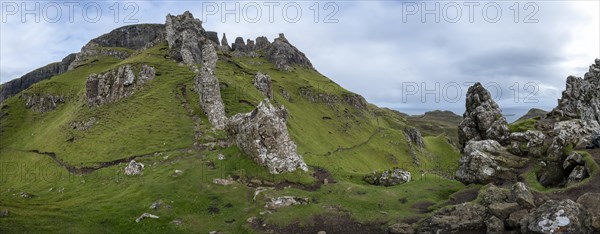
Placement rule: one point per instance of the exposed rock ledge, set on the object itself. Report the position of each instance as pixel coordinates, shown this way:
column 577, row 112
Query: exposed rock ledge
column 113, row 85
column 42, row 102
column 263, row 135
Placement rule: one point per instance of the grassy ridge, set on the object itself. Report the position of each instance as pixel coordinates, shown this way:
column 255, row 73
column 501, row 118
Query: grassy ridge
column 345, row 141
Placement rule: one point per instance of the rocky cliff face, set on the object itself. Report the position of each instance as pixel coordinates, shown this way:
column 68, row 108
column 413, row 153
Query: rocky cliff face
column 116, row 84
column 15, row 86
column 208, row 88
column 581, row 99
column 263, row 135
column 131, row 37
column 284, row 55
column 185, row 36
column 482, row 119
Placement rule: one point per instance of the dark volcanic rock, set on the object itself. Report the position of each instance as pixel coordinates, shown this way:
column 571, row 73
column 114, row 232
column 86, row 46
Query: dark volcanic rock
column 482, row 119
column 212, row 36
column 113, row 85
column 15, row 86
column 263, row 135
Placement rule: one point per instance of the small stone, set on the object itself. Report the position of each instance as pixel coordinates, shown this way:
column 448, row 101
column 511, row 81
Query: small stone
column 223, row 181
column 4, row 213
column 276, row 203
column 522, row 195
column 494, row 225
column 252, row 220
column 322, row 232
column 221, row 157
column 579, row 174
column 145, row 215
column 177, row 222
column 134, row 168
column 159, row 204
column 400, row 228
column 514, row 219
column 177, row 173
column 503, row 210
column 25, row 195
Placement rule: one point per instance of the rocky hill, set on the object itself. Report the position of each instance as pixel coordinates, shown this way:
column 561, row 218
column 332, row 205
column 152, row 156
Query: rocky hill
column 165, row 127
column 533, row 113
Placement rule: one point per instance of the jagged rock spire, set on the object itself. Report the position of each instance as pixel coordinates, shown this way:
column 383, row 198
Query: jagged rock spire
column 482, row 118
column 185, row 36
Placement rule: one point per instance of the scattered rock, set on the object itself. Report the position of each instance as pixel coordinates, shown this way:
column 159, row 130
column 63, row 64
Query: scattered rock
column 514, row 220
column 482, row 119
column 487, row 161
column 4, row 213
column 25, row 195
column 494, row 225
column 134, row 168
column 84, row 125
column 522, row 194
column 591, row 202
column 213, row 210
column 579, row 174
column 530, row 142
column 574, row 159
column 572, row 132
column 263, row 135
column 145, row 215
column 42, row 102
column 252, row 220
column 503, row 210
column 564, row 216
column 466, row 217
column 223, row 181
column 159, row 204
column 116, row 84
column 391, row 177
column 492, row 194
column 400, row 228
column 278, row 202
column 177, row 222
column 262, row 82
column 221, row 157
column 177, row 173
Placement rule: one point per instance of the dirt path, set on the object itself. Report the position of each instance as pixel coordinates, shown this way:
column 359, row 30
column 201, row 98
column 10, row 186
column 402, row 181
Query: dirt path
column 340, row 149
column 89, row 169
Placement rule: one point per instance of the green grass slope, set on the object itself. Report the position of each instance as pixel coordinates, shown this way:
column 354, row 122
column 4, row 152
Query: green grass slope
column 153, row 123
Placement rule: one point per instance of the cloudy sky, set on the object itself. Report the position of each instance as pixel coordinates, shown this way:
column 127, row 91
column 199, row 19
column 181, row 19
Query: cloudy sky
column 411, row 56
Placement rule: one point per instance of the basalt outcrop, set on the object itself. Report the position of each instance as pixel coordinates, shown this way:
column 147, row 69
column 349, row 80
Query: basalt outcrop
column 42, row 102
column 487, row 161
column 116, row 84
column 185, row 37
column 482, row 119
column 262, row 82
column 262, row 134
column 581, row 98
column 208, row 88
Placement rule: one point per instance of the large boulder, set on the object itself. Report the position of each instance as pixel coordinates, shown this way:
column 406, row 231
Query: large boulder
column 466, row 217
column 530, row 142
column 487, row 161
column 185, row 37
column 482, row 119
column 263, row 135
column 574, row 132
column 564, row 216
column 391, row 177
column 209, row 89
column 591, row 202
column 581, row 99
column 116, row 84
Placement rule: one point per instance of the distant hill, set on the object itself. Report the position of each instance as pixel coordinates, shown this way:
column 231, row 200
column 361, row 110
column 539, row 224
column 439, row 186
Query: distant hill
column 436, row 122
column 532, row 113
